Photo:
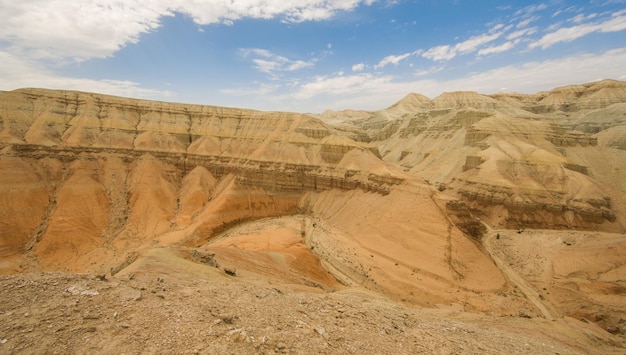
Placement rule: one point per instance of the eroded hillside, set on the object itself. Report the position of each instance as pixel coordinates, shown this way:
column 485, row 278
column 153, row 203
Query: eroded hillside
column 427, row 202
column 551, row 160
column 110, row 174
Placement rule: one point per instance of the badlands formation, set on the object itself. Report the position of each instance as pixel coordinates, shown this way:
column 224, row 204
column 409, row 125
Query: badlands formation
column 466, row 223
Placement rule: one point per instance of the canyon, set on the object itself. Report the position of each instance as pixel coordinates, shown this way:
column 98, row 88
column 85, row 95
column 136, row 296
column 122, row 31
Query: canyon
column 501, row 216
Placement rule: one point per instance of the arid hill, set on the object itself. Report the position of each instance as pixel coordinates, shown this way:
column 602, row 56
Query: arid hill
column 480, row 207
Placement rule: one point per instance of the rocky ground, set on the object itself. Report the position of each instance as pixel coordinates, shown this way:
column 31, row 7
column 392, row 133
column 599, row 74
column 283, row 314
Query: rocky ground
column 173, row 305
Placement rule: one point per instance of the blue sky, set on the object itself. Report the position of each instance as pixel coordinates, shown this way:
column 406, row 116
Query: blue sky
column 308, row 55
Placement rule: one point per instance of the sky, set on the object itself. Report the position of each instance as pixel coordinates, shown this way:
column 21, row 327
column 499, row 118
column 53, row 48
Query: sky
column 308, row 55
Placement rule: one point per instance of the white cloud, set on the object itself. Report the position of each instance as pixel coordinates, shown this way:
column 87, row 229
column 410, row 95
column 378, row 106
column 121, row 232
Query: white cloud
column 447, row 52
column 75, row 29
column 524, row 32
column 36, row 32
column 496, row 27
column 17, row 72
column 370, row 92
column 531, row 77
column 473, row 43
column 269, row 62
column 392, row 59
column 431, row 70
column 266, row 66
column 616, row 23
column 439, row 53
column 257, row 51
column 342, row 85
column 525, row 22
column 531, row 9
column 497, row 49
column 566, row 34
column 298, row 64
column 582, row 17
column 98, row 28
column 358, row 67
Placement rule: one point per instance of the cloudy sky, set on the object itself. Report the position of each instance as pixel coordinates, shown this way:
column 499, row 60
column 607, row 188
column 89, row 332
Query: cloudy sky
column 308, row 55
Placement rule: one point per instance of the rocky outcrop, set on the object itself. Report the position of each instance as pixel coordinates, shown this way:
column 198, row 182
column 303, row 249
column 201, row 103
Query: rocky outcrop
column 474, row 136
column 558, row 135
column 581, row 97
column 472, row 162
column 527, row 208
column 463, row 100
column 575, row 167
column 463, row 217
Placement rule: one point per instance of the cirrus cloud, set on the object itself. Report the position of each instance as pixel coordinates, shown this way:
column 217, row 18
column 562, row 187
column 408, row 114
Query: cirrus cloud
column 392, row 59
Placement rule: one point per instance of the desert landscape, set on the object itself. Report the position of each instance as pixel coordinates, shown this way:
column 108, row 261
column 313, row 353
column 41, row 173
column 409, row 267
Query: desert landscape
column 467, row 223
